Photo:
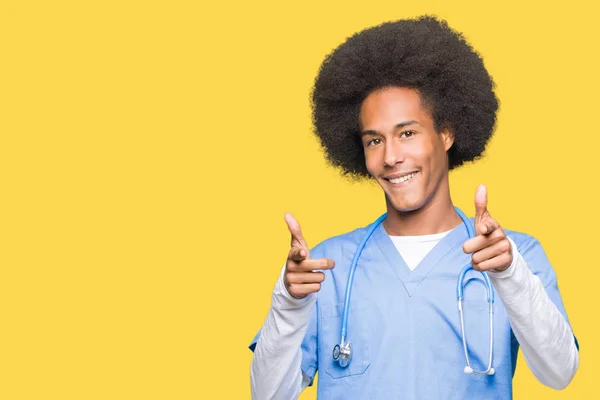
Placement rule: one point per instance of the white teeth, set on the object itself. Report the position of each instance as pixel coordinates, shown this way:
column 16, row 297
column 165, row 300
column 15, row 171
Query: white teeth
column 403, row 178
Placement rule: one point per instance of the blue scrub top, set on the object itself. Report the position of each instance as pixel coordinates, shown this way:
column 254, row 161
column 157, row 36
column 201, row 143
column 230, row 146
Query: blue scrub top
column 404, row 325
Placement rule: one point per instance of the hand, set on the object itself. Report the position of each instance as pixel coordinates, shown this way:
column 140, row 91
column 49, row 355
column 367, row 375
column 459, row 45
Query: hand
column 301, row 276
column 490, row 247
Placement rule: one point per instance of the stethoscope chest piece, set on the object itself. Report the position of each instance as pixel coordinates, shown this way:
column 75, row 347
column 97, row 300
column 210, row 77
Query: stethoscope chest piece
column 342, row 353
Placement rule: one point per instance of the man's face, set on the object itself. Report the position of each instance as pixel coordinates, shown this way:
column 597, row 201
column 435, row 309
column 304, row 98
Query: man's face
column 403, row 151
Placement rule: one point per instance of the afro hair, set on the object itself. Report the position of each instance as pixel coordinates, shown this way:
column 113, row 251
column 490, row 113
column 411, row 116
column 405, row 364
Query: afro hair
column 424, row 54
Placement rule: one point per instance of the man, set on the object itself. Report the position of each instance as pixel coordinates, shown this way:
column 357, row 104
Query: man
column 404, row 103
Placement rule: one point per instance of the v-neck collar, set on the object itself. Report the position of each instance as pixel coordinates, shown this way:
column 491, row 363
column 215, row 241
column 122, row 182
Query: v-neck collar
column 411, row 279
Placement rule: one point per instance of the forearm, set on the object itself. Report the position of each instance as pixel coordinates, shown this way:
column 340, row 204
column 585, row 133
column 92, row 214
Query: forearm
column 543, row 333
column 276, row 372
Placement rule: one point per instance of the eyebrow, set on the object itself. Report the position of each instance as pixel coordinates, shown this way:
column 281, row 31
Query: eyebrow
column 398, row 126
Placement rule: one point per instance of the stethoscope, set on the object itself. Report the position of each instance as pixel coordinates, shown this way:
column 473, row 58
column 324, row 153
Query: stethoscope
column 342, row 352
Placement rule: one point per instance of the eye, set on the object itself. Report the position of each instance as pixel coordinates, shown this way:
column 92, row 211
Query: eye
column 373, row 142
column 407, row 134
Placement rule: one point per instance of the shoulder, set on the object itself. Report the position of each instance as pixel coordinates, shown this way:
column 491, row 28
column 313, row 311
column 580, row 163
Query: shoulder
column 523, row 241
column 532, row 252
column 335, row 244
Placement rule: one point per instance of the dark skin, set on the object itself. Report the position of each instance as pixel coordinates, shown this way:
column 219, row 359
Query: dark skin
column 399, row 138
column 408, row 158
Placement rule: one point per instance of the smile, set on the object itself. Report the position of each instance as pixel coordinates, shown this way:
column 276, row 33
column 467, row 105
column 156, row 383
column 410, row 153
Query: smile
column 402, row 179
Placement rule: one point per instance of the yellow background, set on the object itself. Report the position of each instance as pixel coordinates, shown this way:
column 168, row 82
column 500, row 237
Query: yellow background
column 149, row 149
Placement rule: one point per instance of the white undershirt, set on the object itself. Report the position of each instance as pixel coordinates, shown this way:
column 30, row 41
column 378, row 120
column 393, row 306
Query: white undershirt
column 413, row 249
column 275, row 372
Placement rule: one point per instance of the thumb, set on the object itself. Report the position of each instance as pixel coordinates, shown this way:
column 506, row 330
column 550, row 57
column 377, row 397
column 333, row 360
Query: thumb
column 480, row 207
column 295, row 231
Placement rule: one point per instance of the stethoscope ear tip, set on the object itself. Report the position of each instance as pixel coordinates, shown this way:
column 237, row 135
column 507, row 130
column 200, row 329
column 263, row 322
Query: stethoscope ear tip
column 468, row 370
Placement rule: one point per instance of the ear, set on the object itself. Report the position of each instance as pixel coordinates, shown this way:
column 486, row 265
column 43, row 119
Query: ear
column 447, row 136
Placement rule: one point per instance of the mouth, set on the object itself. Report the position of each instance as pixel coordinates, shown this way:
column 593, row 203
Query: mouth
column 401, row 179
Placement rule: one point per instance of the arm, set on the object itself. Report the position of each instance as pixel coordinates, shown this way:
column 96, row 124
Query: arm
column 526, row 283
column 285, row 356
column 276, row 372
column 543, row 333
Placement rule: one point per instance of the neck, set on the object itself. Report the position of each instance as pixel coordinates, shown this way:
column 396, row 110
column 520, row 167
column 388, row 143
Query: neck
column 437, row 215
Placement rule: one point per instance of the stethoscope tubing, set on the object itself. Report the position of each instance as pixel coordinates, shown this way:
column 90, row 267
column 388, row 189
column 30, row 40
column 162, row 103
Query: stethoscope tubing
column 345, row 345
column 357, row 255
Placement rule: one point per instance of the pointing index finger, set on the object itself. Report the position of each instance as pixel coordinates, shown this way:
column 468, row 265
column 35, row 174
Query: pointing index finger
column 481, row 212
column 295, row 231
column 481, row 201
column 316, row 265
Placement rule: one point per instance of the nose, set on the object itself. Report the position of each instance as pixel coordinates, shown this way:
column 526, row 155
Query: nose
column 393, row 153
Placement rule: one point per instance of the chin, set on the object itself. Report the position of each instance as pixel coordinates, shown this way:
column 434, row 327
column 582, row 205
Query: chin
column 405, row 206
column 406, row 209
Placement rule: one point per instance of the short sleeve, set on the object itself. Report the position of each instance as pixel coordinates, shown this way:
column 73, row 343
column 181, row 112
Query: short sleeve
column 309, row 347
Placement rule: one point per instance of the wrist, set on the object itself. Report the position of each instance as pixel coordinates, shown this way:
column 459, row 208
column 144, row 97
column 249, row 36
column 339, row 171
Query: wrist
column 509, row 270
